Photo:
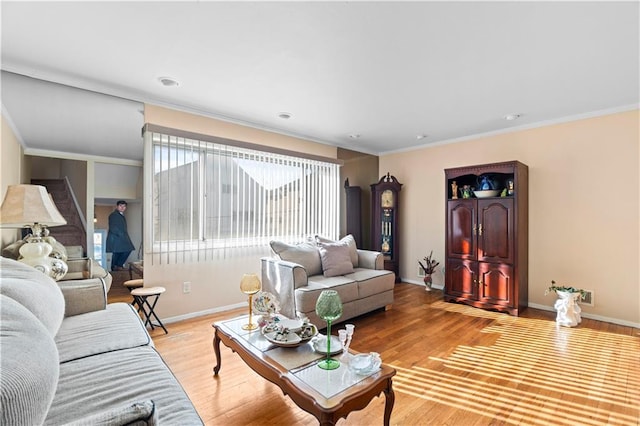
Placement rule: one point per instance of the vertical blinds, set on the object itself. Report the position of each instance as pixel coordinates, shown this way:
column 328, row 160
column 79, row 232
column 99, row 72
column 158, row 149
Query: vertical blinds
column 208, row 196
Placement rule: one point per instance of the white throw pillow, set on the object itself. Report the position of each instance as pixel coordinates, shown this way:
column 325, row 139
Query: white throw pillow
column 350, row 241
column 335, row 259
column 305, row 254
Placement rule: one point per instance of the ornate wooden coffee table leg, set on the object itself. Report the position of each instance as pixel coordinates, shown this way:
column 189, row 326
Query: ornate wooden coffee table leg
column 390, row 399
column 216, row 349
column 326, row 420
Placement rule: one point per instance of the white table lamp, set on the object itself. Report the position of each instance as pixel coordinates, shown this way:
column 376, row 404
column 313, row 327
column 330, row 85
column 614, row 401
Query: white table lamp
column 30, row 206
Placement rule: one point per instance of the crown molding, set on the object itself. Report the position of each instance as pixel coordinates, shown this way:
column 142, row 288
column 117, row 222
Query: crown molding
column 538, row 124
column 81, row 157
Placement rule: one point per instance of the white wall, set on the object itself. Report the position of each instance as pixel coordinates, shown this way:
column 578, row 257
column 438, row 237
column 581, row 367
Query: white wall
column 118, row 182
column 583, row 206
column 11, row 172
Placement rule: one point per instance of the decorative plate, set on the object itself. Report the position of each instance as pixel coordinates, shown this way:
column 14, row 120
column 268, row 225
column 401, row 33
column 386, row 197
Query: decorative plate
column 265, row 303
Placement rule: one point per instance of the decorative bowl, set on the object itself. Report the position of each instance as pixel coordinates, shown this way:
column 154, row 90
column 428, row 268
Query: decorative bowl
column 365, row 363
column 282, row 336
column 320, row 344
column 294, row 324
column 487, row 193
column 284, row 339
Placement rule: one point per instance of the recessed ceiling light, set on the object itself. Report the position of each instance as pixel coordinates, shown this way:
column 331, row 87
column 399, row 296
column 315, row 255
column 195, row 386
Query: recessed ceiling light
column 354, row 135
column 168, row 81
column 511, row 117
column 421, row 137
column 284, row 115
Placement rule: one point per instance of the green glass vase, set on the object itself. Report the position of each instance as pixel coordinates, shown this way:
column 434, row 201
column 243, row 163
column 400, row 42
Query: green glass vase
column 329, row 308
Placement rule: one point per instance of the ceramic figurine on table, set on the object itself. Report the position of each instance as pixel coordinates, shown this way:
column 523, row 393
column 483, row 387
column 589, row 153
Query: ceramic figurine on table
column 454, row 190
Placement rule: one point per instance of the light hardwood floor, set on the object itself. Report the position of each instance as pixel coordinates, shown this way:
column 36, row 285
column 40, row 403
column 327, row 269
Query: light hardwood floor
column 456, row 365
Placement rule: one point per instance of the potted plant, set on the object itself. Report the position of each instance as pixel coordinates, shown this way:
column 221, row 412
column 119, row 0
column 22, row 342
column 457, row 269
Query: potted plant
column 567, row 303
column 428, row 267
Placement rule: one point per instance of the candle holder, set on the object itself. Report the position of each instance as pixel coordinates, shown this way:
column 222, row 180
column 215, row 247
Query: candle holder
column 345, row 338
column 250, row 285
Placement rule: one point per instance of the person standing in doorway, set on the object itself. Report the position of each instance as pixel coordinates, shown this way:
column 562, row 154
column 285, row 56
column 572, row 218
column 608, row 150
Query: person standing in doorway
column 118, row 241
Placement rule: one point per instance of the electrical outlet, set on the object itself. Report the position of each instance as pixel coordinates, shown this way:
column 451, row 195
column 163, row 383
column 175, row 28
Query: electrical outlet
column 420, row 272
column 186, row 287
column 588, row 298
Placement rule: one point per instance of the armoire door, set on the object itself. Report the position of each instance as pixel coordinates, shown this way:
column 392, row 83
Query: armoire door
column 495, row 230
column 461, row 224
column 495, row 284
column 462, row 279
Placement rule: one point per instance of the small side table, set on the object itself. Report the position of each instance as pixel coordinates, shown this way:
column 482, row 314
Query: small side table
column 133, row 284
column 141, row 298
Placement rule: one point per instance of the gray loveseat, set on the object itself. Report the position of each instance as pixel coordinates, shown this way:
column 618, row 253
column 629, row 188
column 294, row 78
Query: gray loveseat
column 297, row 274
column 96, row 364
column 80, row 268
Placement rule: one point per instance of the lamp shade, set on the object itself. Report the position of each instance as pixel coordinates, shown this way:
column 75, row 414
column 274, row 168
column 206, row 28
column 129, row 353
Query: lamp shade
column 25, row 205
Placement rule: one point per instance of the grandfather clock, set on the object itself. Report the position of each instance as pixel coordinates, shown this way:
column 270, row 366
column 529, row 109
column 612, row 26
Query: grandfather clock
column 385, row 202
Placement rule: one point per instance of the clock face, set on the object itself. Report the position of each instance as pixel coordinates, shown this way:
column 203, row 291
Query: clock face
column 387, row 198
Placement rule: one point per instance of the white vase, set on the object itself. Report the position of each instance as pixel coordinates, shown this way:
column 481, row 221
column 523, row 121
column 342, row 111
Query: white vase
column 568, row 309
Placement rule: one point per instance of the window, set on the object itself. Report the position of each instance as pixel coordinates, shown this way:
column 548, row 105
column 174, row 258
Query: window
column 209, row 195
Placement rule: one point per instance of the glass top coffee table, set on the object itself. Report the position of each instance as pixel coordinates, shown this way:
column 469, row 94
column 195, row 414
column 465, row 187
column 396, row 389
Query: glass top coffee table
column 327, row 394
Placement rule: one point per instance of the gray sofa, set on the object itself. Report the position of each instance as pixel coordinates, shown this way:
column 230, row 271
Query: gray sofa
column 94, row 364
column 297, row 274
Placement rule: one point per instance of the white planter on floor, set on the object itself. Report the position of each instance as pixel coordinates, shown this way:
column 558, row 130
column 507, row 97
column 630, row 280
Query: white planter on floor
column 568, row 309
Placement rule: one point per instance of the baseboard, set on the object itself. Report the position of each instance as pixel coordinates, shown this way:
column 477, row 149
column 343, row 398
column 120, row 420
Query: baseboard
column 202, row 313
column 548, row 308
column 590, row 316
column 420, row 283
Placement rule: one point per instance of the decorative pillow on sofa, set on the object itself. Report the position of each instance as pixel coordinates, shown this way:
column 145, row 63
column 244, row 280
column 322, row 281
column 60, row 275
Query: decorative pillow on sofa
column 57, row 250
column 12, row 251
column 350, row 241
column 335, row 259
column 305, row 254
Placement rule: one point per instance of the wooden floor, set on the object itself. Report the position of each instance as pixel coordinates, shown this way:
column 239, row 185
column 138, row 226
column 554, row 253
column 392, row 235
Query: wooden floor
column 456, row 365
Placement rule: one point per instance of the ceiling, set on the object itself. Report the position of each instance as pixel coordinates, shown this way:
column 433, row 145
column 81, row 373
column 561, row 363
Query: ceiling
column 397, row 75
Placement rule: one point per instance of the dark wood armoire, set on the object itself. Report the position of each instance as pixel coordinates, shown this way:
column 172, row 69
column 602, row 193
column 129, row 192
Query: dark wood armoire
column 487, row 236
